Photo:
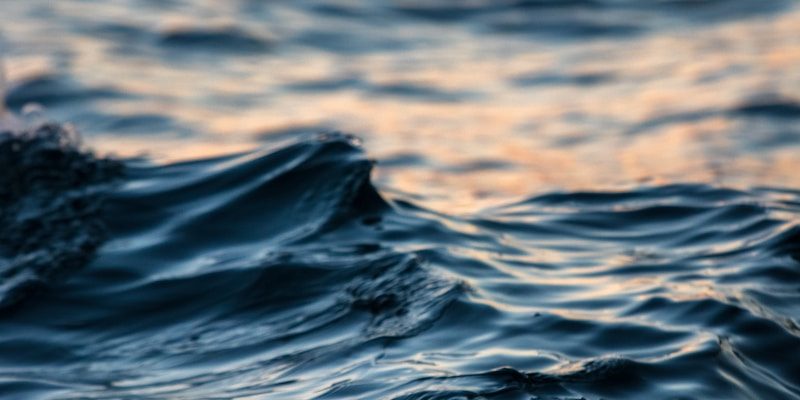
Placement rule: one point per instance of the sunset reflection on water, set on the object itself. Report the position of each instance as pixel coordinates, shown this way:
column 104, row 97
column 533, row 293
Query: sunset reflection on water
column 470, row 119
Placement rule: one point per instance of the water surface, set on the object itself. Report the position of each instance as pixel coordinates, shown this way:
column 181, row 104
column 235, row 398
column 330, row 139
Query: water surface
column 542, row 200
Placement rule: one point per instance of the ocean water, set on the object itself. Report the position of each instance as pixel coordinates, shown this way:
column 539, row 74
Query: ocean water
column 515, row 199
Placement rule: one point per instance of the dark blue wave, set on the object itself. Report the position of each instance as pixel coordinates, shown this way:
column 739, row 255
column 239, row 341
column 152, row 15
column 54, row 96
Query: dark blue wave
column 286, row 274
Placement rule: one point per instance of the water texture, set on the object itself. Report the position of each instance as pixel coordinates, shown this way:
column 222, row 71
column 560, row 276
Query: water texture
column 543, row 200
column 495, row 100
column 286, row 274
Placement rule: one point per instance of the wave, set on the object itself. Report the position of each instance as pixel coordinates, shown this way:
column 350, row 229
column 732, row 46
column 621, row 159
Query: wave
column 50, row 194
column 286, row 273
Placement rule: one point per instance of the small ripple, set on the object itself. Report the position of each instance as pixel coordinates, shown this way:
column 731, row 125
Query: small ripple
column 214, row 40
column 52, row 90
column 771, row 108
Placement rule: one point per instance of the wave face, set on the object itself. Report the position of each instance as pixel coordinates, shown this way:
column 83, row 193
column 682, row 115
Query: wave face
column 286, row 275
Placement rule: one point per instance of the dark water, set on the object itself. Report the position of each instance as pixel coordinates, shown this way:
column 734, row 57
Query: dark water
column 578, row 199
column 286, row 274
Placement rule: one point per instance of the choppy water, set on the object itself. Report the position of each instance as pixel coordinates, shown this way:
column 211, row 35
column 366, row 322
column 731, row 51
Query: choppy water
column 572, row 199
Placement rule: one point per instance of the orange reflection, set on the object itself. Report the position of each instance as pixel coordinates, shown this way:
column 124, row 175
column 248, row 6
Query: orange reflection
column 659, row 111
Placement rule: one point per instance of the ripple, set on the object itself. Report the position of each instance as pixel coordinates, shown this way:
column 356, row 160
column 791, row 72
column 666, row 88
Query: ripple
column 285, row 272
column 227, row 39
column 50, row 90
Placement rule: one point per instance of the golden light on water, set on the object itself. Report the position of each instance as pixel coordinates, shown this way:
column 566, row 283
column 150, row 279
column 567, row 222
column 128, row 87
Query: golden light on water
column 496, row 117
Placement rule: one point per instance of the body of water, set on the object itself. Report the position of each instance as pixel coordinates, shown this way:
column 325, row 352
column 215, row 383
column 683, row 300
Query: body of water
column 531, row 199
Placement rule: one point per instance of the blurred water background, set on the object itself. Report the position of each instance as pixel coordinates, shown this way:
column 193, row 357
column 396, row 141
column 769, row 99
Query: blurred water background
column 468, row 102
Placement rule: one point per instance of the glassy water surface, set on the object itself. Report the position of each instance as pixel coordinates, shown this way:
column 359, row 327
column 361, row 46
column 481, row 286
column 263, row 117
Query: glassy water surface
column 543, row 199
